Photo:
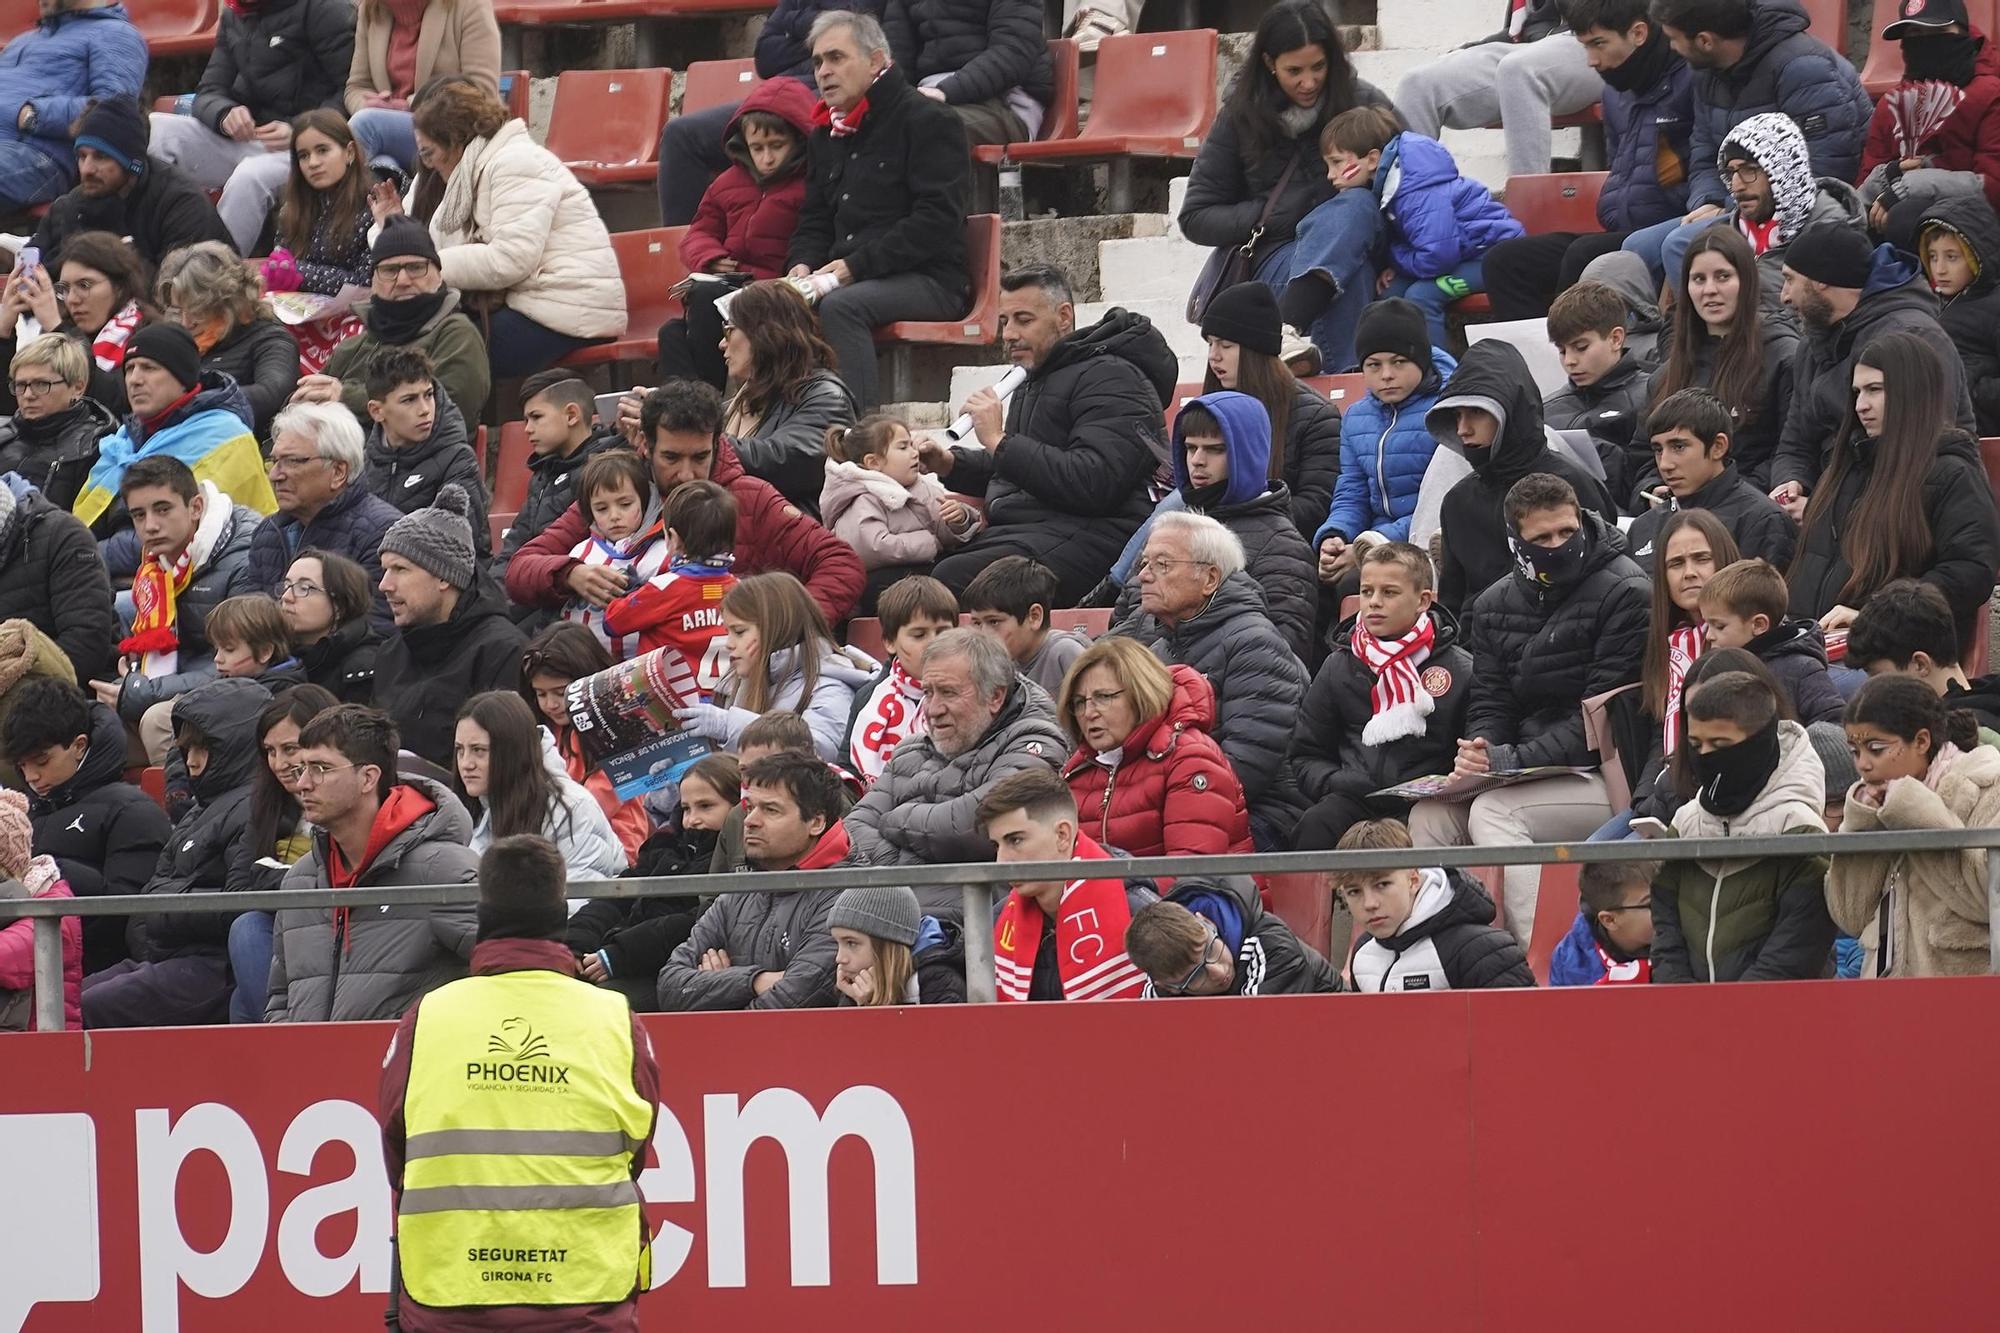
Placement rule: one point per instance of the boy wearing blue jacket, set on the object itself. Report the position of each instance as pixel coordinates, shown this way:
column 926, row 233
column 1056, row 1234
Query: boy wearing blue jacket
column 1611, row 941
column 1440, row 225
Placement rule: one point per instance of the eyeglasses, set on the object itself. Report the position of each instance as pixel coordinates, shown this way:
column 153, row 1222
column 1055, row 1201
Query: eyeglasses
column 36, row 388
column 1643, row 905
column 1161, row 564
column 280, row 463
column 413, row 268
column 1743, row 171
column 1096, row 699
column 424, row 155
column 1182, row 986
column 299, row 588
column 317, row 771
column 80, row 286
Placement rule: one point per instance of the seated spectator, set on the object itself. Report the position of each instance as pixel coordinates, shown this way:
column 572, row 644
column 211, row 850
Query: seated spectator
column 275, row 839
column 990, row 64
column 323, row 222
column 1012, row 599
column 983, row 722
column 889, row 707
column 787, row 395
column 877, row 499
column 27, row 875
column 1057, row 939
column 1694, row 448
column 155, row 207
column 399, row 49
column 187, row 550
column 316, row 462
column 745, row 222
column 51, row 577
column 884, row 213
column 452, row 639
column 371, row 829
column 1727, row 341
column 507, row 768
column 269, row 64
column 558, row 413
column 1905, row 495
column 886, row 951
column 1902, row 176
column 1906, row 629
column 1757, row 775
column 624, row 942
column 251, row 643
column 1648, row 115
column 770, row 950
column 1388, row 704
column 553, row 658
column 218, row 298
column 418, row 443
column 51, row 440
column 776, row 731
column 179, row 969
column 1148, row 777
column 1751, row 58
column 325, row 603
column 513, row 225
column 1612, row 941
column 1258, row 174
column 1426, row 929
column 1921, row 767
column 1850, row 300
column 1959, row 240
column 1212, row 936
column 1567, row 625
column 26, row 654
column 104, row 833
column 84, row 49
column 681, row 425
column 105, row 295
column 408, row 306
column 1068, row 466
column 1606, row 394
column 631, row 541
column 1489, row 418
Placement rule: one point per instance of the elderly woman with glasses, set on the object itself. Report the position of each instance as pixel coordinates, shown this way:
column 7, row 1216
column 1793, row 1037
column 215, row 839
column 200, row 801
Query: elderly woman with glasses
column 216, row 297
column 1148, row 778
column 51, row 440
column 324, row 601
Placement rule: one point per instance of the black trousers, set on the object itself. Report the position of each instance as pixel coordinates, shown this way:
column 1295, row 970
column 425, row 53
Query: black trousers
column 1525, row 275
column 1322, row 824
column 691, row 346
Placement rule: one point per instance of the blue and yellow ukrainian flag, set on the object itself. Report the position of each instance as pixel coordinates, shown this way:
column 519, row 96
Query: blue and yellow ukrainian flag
column 215, row 444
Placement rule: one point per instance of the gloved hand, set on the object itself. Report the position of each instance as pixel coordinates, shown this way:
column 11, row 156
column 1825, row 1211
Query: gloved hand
column 720, row 725
column 1455, row 289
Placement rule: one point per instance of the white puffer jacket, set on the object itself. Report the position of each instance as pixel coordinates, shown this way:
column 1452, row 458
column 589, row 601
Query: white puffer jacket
column 514, row 220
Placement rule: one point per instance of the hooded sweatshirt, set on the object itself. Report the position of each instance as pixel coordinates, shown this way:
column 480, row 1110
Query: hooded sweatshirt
column 745, row 217
column 1438, row 219
column 1972, row 317
column 1798, row 199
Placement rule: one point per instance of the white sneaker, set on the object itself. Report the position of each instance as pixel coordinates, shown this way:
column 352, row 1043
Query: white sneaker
column 1091, row 26
column 1298, row 352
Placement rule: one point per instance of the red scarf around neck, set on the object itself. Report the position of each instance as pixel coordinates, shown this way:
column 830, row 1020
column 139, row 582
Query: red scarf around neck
column 1090, row 939
column 1398, row 699
column 891, row 714
column 1683, row 646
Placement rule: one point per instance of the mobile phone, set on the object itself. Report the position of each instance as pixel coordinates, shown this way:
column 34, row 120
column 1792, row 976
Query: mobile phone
column 1647, row 827
column 607, row 407
column 30, row 259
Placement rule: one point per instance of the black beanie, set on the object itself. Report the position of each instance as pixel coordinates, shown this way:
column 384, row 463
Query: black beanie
column 116, row 127
column 1247, row 315
column 402, row 236
column 1833, row 253
column 172, row 347
column 1394, row 325
column 520, row 909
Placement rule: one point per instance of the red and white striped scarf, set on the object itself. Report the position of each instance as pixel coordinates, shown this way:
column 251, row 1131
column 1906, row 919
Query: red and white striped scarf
column 1090, row 939
column 1398, row 697
column 892, row 714
column 1683, row 646
column 108, row 347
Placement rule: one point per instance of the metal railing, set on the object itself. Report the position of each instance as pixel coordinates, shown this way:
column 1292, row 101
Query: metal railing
column 977, row 880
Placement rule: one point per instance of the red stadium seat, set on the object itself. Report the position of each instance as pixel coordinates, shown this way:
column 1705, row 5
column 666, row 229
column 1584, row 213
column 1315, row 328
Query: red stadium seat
column 582, row 13
column 1092, row 621
column 514, row 88
column 1343, row 391
column 1827, row 20
column 982, row 324
column 650, row 263
column 1155, row 98
column 605, row 125
column 1304, row 901
column 1989, row 454
column 1061, row 120
column 1182, row 392
column 713, row 83
column 1555, row 911
column 1973, row 655
column 16, row 17
column 1564, row 201
column 510, row 470
column 176, row 27
column 153, row 781
column 865, row 634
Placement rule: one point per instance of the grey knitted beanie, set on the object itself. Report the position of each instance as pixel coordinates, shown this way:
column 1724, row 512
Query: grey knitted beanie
column 887, row 914
column 437, row 540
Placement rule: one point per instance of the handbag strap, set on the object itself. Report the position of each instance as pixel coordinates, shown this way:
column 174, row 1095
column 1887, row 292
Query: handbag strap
column 1270, row 203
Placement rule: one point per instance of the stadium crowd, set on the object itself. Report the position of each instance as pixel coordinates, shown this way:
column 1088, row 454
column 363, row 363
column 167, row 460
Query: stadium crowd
column 1727, row 578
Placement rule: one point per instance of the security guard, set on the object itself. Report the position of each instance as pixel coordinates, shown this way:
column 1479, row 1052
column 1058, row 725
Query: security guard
column 516, row 1106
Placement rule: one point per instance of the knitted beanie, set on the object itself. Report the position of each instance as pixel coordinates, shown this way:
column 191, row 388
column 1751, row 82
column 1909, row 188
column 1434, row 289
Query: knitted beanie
column 1833, row 253
column 171, row 347
column 1829, row 742
column 1394, row 325
column 886, row 914
column 401, row 237
column 17, row 836
column 116, row 127
column 437, row 540
column 1246, row 314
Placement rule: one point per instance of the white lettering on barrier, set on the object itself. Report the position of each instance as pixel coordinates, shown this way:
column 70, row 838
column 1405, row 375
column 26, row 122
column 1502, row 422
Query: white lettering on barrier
column 48, row 1226
column 363, row 1192
column 166, row 1260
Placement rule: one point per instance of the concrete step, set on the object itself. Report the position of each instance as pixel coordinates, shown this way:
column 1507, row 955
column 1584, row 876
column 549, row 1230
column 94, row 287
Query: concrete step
column 1157, row 268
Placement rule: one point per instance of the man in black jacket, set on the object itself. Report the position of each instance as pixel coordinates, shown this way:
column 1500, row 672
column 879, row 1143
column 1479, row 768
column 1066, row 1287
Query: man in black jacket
column 986, row 60
column 1069, row 472
column 884, row 215
column 272, row 61
column 1567, row 625
column 52, row 576
column 1212, row 936
column 1691, row 454
column 155, row 206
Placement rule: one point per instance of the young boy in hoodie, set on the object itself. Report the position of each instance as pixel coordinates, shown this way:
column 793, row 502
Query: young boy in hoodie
column 1906, row 629
column 558, row 414
column 889, row 709
column 417, row 444
column 1744, row 606
column 1611, row 942
column 1607, row 389
column 1754, row 919
column 1011, row 599
column 1959, row 242
column 1423, row 929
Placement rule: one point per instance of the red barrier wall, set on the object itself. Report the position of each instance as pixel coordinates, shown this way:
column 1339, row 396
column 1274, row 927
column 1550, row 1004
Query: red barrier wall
column 1805, row 1156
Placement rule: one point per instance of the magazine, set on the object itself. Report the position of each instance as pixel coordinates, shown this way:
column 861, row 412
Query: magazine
column 1446, row 787
column 625, row 722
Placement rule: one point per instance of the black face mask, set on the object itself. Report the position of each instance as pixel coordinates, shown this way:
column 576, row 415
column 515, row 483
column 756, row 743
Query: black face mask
column 1201, row 499
column 1730, row 779
column 1552, row 568
column 399, row 322
column 1644, row 66
column 1947, row 56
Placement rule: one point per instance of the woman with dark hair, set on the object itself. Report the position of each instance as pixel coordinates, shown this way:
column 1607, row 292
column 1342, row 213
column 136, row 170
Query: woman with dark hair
column 788, row 392
column 1259, row 171
column 1905, row 496
column 325, row 603
column 507, row 768
column 558, row 655
column 101, row 297
column 324, row 219
column 1722, row 341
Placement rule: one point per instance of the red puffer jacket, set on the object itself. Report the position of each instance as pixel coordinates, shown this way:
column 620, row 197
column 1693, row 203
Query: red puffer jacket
column 1969, row 141
column 740, row 218
column 1173, row 794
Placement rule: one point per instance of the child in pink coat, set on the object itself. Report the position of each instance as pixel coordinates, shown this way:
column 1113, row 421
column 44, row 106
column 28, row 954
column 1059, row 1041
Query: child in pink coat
column 31, row 876
column 878, row 501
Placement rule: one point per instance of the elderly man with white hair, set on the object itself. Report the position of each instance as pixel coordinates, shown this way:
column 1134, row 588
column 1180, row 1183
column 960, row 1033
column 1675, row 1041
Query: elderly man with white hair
column 986, row 722
column 316, row 460
column 1199, row 608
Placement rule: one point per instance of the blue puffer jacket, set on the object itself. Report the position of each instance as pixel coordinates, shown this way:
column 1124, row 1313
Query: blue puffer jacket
column 1437, row 218
column 1786, row 69
column 1645, row 132
column 63, row 62
column 1384, row 450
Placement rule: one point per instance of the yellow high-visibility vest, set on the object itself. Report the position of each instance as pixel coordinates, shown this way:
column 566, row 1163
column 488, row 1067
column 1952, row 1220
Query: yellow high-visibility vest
column 522, row 1122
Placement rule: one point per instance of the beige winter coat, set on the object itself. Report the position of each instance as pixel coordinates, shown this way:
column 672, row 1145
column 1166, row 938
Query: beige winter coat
column 1937, row 918
column 514, row 220
column 455, row 37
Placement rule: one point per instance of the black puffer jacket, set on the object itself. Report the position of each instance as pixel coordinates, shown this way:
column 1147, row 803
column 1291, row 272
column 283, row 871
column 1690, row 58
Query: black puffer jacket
column 552, row 480
column 638, row 935
column 984, row 46
column 1972, row 317
column 263, row 358
column 278, row 58
column 205, row 850
column 1761, row 529
column 1796, row 653
column 1449, row 943
column 1897, row 299
column 1312, row 459
column 50, row 574
column 1965, row 535
column 1752, row 444
column 1612, row 410
column 1537, row 654
column 1328, row 752
column 1275, row 555
column 344, row 661
column 1270, row 959
column 411, row 477
column 1085, row 445
column 55, row 454
column 422, row 674
column 164, row 210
